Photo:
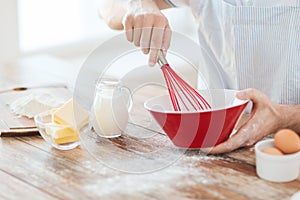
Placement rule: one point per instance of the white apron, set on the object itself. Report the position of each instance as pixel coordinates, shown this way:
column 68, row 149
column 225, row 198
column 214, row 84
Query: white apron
column 251, row 46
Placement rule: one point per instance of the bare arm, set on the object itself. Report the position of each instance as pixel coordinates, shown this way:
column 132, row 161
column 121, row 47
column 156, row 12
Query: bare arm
column 113, row 11
column 290, row 115
column 266, row 117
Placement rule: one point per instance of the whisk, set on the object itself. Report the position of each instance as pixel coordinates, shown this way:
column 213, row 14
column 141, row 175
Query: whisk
column 182, row 95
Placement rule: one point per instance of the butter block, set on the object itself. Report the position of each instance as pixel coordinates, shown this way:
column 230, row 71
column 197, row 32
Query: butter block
column 65, row 140
column 62, row 135
column 72, row 114
column 60, row 132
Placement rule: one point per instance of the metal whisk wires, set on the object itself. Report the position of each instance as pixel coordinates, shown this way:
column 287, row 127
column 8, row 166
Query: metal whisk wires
column 182, row 95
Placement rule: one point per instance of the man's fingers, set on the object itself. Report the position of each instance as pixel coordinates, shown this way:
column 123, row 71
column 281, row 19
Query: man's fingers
column 150, row 31
column 166, row 39
column 238, row 140
column 225, row 147
column 156, row 44
column 128, row 27
column 253, row 95
column 146, row 35
column 146, row 39
column 137, row 32
column 153, row 57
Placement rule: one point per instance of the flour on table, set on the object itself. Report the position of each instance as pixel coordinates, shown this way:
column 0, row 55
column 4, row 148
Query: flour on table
column 33, row 104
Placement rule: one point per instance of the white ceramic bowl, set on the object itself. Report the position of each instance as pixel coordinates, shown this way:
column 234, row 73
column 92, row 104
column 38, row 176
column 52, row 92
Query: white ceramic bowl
column 276, row 168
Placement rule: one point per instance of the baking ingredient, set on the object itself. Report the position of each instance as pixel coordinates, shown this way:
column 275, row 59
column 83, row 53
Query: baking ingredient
column 67, row 121
column 72, row 114
column 110, row 114
column 272, row 151
column 62, row 135
column 66, row 140
column 287, row 141
column 33, row 104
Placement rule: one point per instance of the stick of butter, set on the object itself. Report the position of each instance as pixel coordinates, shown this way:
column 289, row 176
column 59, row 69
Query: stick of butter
column 62, row 135
column 72, row 114
column 66, row 140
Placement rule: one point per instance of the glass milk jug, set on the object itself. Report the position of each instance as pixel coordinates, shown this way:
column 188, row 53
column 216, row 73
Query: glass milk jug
column 111, row 106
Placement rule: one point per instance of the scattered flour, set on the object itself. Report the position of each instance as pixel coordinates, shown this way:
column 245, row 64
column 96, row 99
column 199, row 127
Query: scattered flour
column 132, row 183
column 183, row 173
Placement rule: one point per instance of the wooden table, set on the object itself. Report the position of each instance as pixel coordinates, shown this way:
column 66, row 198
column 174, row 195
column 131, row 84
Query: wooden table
column 31, row 169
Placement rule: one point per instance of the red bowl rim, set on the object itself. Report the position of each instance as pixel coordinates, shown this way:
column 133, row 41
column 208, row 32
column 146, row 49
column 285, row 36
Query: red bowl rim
column 198, row 111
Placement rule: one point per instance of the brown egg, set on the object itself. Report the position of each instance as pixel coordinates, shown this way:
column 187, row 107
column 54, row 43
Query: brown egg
column 272, row 151
column 287, row 141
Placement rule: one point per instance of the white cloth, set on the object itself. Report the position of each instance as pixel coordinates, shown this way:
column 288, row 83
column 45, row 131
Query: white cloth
column 251, row 44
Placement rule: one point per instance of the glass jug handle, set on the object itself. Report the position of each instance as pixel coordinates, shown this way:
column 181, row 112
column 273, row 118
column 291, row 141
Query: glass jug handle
column 129, row 102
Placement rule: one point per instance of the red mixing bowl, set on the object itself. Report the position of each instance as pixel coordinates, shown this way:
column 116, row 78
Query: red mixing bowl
column 199, row 129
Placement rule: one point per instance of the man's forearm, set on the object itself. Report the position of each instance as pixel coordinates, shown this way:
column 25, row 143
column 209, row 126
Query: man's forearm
column 291, row 117
column 113, row 11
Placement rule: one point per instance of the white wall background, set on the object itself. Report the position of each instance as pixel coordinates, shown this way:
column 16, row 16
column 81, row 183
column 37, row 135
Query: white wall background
column 66, row 28
column 9, row 40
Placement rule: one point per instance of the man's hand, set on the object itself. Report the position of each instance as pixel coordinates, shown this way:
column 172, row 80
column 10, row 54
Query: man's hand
column 265, row 118
column 147, row 27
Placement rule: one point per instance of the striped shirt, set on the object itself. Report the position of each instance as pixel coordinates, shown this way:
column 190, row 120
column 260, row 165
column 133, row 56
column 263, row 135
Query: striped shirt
column 253, row 44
